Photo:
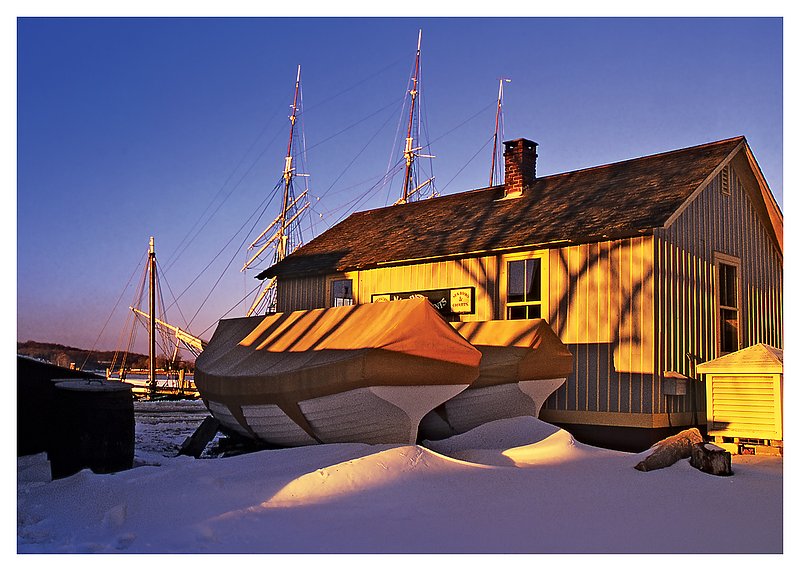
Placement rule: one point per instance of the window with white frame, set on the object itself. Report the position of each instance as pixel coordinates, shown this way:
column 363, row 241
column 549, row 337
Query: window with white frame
column 341, row 292
column 524, row 289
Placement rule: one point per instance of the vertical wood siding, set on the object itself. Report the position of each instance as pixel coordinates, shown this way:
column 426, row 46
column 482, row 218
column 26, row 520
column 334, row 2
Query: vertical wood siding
column 601, row 305
column 479, row 272
column 301, row 293
column 599, row 302
column 685, row 296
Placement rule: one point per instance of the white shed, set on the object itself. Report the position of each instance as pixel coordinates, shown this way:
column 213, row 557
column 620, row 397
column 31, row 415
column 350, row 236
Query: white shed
column 744, row 396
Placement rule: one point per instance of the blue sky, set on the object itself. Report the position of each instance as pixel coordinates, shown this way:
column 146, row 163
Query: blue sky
column 129, row 128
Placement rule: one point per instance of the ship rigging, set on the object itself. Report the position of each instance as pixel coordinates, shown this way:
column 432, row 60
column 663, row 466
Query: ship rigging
column 413, row 189
column 170, row 379
column 284, row 234
column 287, row 235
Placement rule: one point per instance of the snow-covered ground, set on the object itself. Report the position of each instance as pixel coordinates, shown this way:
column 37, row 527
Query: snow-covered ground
column 511, row 486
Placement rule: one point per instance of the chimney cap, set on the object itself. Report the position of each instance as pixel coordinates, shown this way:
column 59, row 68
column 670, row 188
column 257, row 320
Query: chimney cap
column 527, row 143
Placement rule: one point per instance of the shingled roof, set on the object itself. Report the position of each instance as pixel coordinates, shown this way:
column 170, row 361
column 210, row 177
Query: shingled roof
column 618, row 200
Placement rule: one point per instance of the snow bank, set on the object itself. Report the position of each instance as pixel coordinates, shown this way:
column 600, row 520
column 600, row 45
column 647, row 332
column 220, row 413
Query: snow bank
column 521, row 441
column 528, row 488
column 382, row 470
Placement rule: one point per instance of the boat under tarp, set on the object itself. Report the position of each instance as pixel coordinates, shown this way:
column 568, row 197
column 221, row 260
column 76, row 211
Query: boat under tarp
column 523, row 363
column 362, row 373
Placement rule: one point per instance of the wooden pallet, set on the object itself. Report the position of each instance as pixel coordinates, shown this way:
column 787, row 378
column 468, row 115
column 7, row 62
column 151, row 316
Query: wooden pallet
column 745, row 446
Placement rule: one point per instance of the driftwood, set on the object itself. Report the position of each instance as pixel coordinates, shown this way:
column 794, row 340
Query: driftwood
column 668, row 451
column 197, row 442
column 711, row 459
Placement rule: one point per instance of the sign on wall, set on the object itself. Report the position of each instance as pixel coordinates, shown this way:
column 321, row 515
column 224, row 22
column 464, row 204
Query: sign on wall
column 455, row 300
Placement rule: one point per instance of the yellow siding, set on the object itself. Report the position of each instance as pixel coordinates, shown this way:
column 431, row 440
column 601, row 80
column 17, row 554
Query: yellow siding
column 745, row 406
column 597, row 297
column 478, row 272
column 601, row 306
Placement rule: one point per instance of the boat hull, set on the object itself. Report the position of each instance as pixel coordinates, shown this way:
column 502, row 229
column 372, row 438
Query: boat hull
column 476, row 406
column 373, row 415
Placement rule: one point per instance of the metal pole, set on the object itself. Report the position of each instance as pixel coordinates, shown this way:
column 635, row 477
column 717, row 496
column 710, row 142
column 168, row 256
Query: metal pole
column 152, row 266
column 496, row 128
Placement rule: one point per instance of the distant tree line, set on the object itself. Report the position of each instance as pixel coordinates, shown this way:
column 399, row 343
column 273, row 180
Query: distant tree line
column 65, row 356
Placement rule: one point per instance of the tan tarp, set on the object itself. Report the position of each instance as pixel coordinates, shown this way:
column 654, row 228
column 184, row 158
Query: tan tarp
column 289, row 357
column 516, row 350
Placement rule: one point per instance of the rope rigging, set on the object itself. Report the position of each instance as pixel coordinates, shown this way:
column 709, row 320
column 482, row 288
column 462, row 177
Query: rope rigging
column 164, row 337
column 286, row 233
column 110, row 315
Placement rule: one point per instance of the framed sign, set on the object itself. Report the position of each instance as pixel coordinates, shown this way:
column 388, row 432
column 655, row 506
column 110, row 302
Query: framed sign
column 447, row 301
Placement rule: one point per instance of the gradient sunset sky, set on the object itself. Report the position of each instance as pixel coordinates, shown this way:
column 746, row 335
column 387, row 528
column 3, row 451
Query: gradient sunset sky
column 130, row 128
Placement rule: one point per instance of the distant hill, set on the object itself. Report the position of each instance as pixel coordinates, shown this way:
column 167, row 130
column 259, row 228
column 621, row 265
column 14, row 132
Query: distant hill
column 63, row 356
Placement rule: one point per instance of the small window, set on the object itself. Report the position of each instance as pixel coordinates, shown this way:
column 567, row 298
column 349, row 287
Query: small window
column 524, row 289
column 341, row 293
column 728, row 308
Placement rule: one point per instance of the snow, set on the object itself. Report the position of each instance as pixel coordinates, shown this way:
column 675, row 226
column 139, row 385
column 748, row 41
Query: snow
column 511, row 486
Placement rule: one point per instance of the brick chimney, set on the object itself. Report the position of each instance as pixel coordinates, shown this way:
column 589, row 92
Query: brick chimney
column 520, row 156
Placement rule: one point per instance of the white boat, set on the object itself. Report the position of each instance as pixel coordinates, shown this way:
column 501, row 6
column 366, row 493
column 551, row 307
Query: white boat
column 523, row 363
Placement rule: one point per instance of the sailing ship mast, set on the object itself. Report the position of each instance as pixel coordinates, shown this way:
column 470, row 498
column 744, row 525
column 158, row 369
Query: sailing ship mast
column 282, row 238
column 497, row 117
column 288, row 173
column 155, row 326
column 151, row 265
column 411, row 152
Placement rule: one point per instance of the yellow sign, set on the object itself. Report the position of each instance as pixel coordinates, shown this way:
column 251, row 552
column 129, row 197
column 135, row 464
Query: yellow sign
column 461, row 300
column 381, row 298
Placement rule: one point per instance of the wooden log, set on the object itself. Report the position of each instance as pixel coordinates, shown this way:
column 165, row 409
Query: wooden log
column 668, row 451
column 711, row 459
column 197, row 442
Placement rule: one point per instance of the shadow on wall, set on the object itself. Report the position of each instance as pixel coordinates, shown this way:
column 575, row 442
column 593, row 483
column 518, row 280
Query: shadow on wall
column 595, row 385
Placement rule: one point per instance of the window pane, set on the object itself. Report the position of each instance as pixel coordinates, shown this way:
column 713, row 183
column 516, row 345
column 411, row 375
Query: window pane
column 533, row 277
column 517, row 312
column 730, row 331
column 516, row 282
column 727, row 285
column 341, row 292
column 525, row 312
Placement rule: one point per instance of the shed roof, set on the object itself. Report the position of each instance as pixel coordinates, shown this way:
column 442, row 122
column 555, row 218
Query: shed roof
column 759, row 358
column 617, row 200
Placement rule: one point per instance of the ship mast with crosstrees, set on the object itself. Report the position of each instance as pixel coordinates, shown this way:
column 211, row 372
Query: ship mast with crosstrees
column 411, row 186
column 286, row 235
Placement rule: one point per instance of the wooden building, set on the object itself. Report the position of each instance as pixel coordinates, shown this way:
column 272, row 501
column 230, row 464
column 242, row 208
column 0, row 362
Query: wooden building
column 644, row 268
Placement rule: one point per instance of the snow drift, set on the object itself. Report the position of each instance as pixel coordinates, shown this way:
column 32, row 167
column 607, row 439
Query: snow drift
column 511, row 486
